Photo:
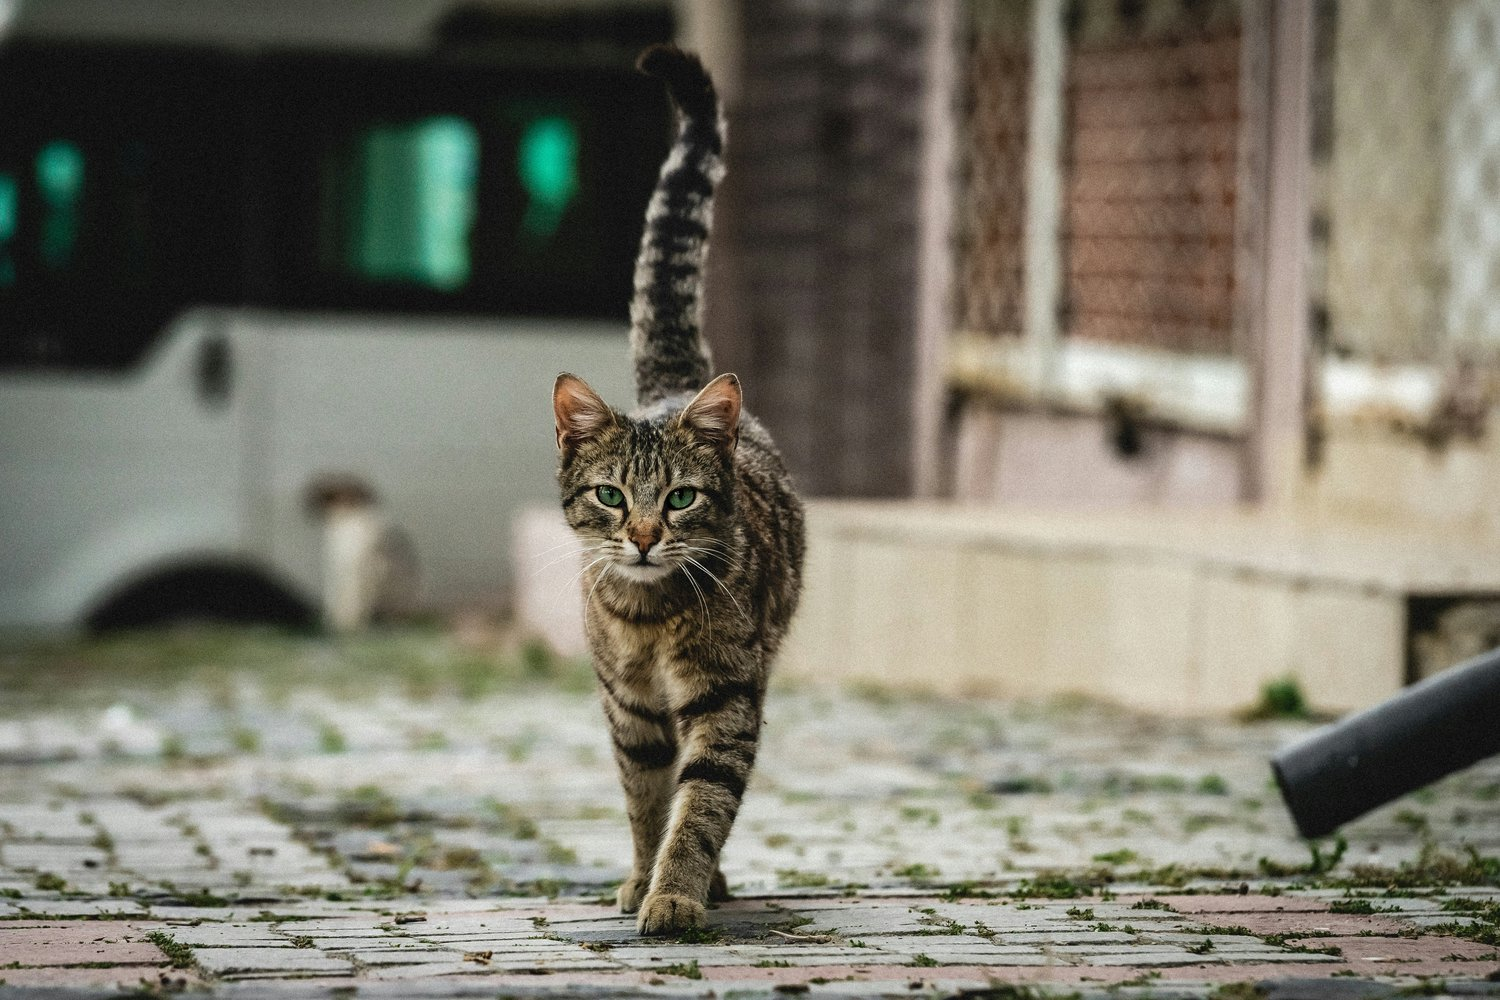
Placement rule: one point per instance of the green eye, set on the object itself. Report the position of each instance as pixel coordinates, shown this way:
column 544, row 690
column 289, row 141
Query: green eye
column 609, row 496
column 681, row 497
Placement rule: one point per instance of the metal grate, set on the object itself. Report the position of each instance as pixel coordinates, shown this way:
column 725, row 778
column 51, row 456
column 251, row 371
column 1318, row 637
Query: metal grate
column 1407, row 185
column 1148, row 167
column 1149, row 192
column 995, row 92
column 1471, row 148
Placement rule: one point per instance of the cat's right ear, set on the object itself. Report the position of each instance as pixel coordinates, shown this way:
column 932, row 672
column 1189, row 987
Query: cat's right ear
column 579, row 412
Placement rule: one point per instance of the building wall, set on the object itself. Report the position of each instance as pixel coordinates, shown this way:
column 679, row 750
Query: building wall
column 1041, row 459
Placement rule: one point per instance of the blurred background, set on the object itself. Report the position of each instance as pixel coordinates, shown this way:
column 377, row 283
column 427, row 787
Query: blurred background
column 1146, row 348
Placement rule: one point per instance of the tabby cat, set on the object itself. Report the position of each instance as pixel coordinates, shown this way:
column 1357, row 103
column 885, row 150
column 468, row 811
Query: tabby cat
column 692, row 541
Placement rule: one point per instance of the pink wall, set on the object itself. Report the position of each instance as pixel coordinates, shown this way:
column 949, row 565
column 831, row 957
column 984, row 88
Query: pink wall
column 1059, row 460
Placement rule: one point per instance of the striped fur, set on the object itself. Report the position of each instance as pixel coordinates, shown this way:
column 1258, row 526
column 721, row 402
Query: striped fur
column 687, row 602
column 670, row 356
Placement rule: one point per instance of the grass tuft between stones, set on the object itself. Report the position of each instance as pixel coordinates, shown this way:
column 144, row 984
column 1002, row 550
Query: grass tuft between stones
column 180, row 955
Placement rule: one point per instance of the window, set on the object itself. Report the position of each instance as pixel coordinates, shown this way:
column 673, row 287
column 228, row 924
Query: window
column 427, row 187
column 120, row 183
column 138, row 182
column 9, row 217
column 410, row 203
column 1099, row 224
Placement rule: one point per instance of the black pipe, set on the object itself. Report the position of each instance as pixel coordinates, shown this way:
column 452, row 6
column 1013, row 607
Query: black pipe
column 1440, row 725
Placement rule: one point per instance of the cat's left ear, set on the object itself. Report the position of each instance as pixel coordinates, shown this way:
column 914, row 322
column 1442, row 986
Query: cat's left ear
column 715, row 412
column 579, row 412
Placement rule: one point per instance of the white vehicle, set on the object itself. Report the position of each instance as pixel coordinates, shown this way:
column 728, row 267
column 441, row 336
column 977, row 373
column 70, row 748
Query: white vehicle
column 237, row 254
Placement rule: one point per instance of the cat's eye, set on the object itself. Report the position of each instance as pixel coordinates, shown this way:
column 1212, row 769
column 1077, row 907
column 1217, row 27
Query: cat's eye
column 610, row 496
column 681, row 497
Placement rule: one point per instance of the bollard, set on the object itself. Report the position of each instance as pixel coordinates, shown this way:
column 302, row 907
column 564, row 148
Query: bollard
column 1434, row 728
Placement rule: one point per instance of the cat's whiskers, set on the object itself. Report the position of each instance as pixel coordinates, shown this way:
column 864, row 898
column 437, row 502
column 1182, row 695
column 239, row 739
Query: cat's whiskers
column 726, row 558
column 688, row 551
column 707, row 615
column 714, row 577
column 716, row 548
column 602, row 574
column 577, row 576
column 581, row 550
column 572, row 547
column 560, row 545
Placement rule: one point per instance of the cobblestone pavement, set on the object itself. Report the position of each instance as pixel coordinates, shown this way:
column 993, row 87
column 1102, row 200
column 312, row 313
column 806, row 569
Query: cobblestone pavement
column 310, row 829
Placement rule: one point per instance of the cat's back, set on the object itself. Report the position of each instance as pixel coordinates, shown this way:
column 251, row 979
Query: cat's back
column 772, row 515
column 763, row 474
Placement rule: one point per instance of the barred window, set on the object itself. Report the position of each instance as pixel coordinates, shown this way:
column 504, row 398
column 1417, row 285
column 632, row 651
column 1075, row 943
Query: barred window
column 1099, row 226
column 1407, row 180
column 992, row 210
column 1149, row 175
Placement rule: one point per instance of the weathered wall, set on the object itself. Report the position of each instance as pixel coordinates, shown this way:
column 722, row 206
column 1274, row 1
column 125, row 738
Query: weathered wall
column 1050, row 460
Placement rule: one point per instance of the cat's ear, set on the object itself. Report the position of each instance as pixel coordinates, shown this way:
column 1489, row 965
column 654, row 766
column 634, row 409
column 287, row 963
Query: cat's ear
column 579, row 412
column 714, row 414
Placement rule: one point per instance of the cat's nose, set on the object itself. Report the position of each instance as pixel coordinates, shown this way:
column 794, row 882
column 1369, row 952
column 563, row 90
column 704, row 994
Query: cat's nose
column 645, row 535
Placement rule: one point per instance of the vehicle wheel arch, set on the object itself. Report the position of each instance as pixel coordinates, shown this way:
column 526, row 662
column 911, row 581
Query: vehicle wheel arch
column 200, row 587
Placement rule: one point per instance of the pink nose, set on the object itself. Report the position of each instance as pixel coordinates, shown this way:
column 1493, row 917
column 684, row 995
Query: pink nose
column 644, row 536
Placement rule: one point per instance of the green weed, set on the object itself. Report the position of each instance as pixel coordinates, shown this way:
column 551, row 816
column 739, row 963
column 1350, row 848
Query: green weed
column 180, row 955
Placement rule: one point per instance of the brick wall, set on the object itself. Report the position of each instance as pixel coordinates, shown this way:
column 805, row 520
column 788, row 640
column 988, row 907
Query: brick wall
column 812, row 290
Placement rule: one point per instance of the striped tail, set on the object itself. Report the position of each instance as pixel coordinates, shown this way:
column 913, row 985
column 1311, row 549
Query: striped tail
column 665, row 343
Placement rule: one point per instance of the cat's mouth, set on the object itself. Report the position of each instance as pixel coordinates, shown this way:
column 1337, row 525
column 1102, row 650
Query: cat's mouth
column 642, row 570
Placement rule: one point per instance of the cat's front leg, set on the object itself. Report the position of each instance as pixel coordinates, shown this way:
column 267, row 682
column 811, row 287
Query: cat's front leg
column 645, row 749
column 719, row 731
column 648, row 796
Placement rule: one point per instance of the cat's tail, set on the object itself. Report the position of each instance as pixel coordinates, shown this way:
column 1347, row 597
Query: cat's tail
column 665, row 343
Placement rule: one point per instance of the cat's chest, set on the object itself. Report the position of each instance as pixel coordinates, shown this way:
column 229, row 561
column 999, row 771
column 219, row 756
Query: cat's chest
column 647, row 658
column 637, row 647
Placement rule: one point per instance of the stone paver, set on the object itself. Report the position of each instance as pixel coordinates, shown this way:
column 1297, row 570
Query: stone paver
column 233, row 836
column 79, row 943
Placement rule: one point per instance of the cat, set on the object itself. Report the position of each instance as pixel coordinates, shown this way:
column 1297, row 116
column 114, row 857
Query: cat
column 369, row 564
column 693, row 540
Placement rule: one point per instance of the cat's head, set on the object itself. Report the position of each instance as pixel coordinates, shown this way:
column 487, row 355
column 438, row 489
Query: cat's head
column 648, row 496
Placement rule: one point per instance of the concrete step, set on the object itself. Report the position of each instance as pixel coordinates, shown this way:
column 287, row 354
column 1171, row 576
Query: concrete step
column 1180, row 612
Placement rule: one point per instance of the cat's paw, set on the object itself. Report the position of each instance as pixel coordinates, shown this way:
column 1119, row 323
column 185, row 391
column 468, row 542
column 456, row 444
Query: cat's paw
column 718, row 888
column 632, row 891
column 669, row 913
